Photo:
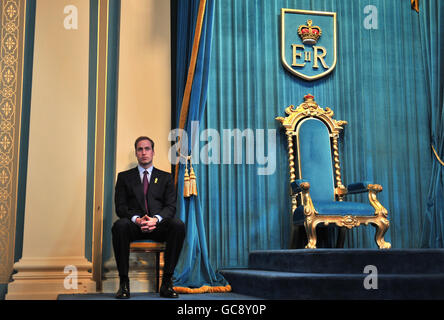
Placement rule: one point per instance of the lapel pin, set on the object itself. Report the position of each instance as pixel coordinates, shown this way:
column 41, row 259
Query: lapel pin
column 155, row 180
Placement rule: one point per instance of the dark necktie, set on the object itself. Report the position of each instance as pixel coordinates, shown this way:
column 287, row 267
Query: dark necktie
column 146, row 184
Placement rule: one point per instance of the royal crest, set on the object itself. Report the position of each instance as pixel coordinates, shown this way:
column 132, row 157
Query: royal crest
column 308, row 45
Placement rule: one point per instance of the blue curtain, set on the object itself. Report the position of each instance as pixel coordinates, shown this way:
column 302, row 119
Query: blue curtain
column 194, row 270
column 379, row 86
column 432, row 32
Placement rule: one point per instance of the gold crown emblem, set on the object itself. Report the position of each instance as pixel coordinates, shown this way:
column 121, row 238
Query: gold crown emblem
column 308, row 33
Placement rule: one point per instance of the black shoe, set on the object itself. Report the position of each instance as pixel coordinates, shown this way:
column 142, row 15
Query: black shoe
column 124, row 290
column 167, row 291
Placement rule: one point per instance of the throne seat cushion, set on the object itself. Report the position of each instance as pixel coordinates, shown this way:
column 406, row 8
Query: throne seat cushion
column 335, row 208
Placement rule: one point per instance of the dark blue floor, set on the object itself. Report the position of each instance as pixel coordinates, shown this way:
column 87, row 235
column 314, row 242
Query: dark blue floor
column 339, row 274
column 155, row 296
column 324, row 274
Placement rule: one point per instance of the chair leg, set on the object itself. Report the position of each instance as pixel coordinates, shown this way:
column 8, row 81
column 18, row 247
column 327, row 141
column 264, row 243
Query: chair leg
column 293, row 237
column 298, row 237
column 381, row 228
column 341, row 237
column 310, row 228
column 157, row 271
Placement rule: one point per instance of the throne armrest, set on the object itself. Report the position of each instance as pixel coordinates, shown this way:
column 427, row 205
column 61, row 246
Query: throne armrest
column 300, row 185
column 364, row 186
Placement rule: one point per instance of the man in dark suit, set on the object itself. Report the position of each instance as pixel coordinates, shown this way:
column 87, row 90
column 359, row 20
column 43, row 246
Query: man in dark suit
column 145, row 201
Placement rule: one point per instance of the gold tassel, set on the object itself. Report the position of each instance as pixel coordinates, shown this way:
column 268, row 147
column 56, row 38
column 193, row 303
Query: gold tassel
column 186, row 184
column 189, row 180
column 193, row 187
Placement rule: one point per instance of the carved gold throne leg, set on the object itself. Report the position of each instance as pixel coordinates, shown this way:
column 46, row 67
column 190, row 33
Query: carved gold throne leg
column 310, row 227
column 382, row 226
column 381, row 222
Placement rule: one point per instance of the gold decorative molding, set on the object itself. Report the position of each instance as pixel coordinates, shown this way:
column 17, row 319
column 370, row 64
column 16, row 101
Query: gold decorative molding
column 12, row 26
column 100, row 139
column 310, row 108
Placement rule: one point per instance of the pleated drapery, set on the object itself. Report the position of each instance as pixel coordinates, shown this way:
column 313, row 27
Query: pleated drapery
column 193, row 273
column 378, row 86
column 432, row 31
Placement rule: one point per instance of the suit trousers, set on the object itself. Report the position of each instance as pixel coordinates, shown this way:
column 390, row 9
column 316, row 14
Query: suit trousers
column 170, row 230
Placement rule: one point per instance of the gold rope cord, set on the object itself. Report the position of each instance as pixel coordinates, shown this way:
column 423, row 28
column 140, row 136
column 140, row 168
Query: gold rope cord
column 190, row 76
column 437, row 157
column 415, row 5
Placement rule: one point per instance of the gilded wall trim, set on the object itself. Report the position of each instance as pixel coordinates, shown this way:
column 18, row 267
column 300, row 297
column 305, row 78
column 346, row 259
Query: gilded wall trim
column 100, row 137
column 11, row 67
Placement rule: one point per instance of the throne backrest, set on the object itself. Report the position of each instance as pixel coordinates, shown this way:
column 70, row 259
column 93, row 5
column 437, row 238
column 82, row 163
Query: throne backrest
column 314, row 158
column 312, row 137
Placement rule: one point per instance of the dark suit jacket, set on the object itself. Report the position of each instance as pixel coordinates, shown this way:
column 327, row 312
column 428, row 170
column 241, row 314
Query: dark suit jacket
column 129, row 197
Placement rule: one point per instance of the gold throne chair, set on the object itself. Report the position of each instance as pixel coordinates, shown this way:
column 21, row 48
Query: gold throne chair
column 318, row 196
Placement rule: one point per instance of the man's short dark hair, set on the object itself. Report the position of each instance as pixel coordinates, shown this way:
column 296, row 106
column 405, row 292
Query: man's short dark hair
column 143, row 138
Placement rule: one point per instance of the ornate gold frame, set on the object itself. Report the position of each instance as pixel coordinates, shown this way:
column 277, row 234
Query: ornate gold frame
column 310, row 109
column 12, row 61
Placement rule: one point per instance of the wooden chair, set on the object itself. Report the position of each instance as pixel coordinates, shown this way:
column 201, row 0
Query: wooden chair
column 150, row 246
